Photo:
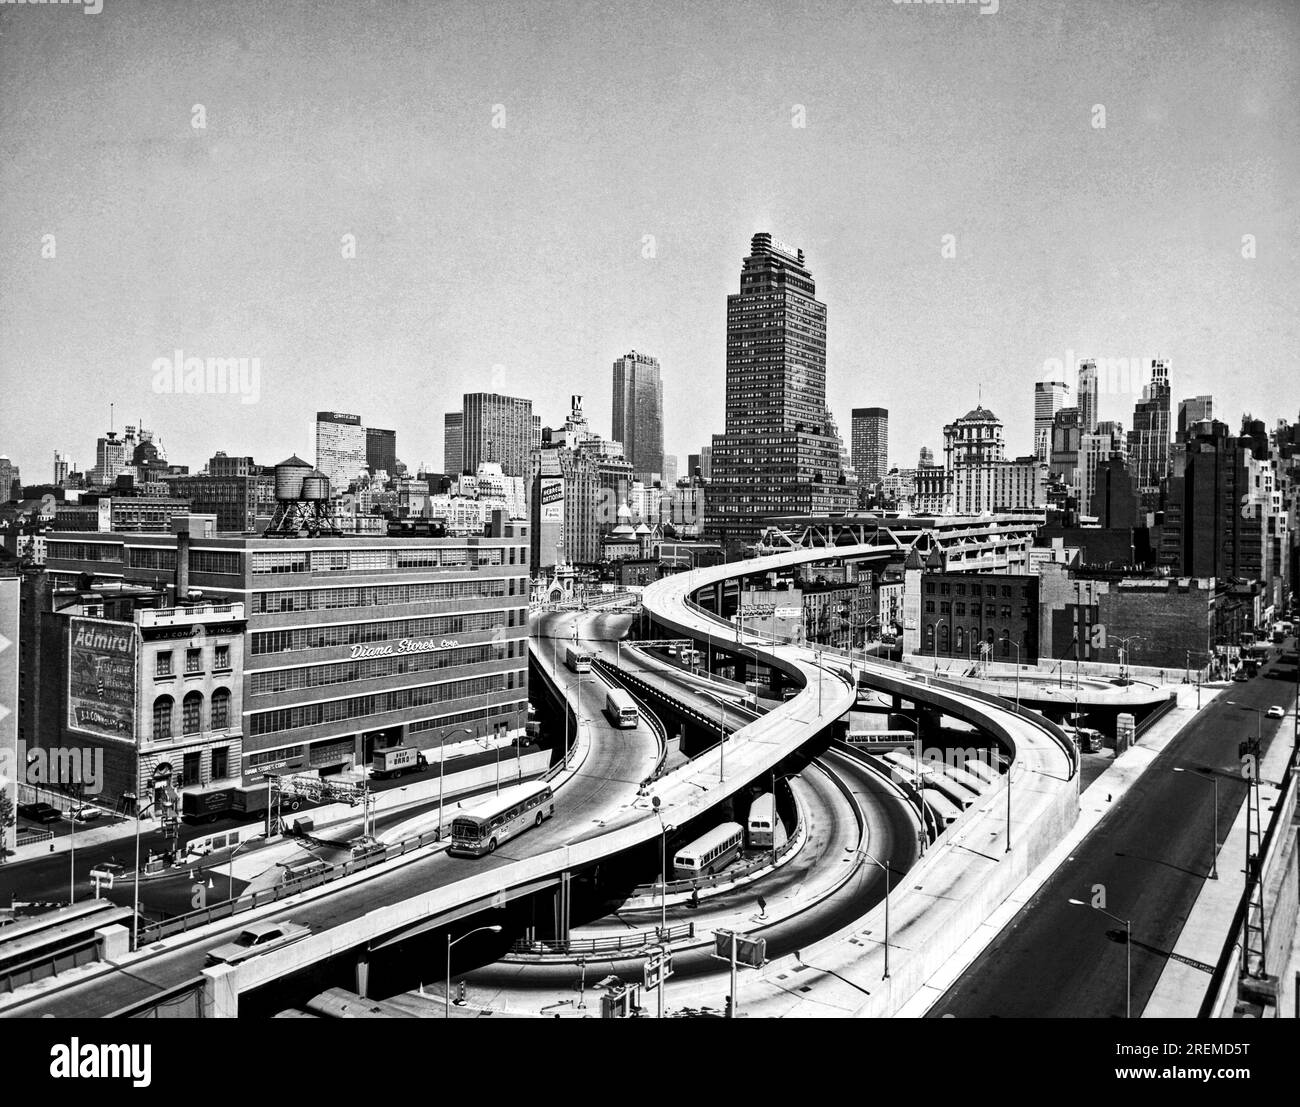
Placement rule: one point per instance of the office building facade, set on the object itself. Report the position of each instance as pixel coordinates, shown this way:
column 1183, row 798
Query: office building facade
column 340, row 448
column 1049, row 398
column 638, row 420
column 778, row 455
column 498, row 429
column 381, row 451
column 870, row 438
column 351, row 644
column 453, row 443
column 1148, row 441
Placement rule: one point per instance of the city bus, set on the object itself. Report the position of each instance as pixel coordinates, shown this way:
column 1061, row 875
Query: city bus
column 709, row 852
column 499, row 818
column 577, row 660
column 620, row 709
column 763, row 827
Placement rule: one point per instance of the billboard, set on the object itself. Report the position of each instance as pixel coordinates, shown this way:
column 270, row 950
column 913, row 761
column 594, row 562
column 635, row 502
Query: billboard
column 102, row 659
column 552, row 498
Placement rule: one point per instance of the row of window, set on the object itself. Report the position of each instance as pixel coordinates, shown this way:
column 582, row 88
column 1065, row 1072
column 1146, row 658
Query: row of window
column 381, row 560
column 164, row 713
column 317, row 676
column 351, row 634
column 379, row 703
column 945, row 589
column 479, row 714
column 317, row 599
column 193, row 661
column 990, row 610
column 959, row 639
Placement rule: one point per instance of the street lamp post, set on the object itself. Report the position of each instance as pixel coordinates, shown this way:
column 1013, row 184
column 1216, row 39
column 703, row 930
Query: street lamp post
column 722, row 732
column 484, row 742
column 885, row 869
column 1128, row 954
column 442, row 769
column 664, row 828
column 775, row 778
column 446, row 1010
column 1214, row 780
column 135, row 895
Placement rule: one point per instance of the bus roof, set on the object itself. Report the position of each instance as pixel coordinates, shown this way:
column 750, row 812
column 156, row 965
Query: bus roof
column 491, row 806
column 761, row 808
column 620, row 697
column 714, row 837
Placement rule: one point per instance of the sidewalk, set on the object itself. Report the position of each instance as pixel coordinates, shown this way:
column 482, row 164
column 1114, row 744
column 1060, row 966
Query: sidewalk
column 1094, row 803
column 1182, row 986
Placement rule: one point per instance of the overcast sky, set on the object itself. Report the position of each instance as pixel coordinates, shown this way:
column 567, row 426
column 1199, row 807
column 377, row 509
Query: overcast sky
column 515, row 258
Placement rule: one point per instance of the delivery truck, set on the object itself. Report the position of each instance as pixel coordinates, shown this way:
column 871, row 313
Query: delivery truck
column 206, row 805
column 396, row 761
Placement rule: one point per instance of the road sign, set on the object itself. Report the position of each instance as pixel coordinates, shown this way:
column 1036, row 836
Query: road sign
column 749, row 951
column 659, row 964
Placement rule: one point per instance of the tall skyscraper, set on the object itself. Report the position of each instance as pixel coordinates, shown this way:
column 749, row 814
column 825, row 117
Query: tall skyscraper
column 381, row 450
column 1193, row 410
column 62, row 467
column 1049, row 398
column 453, row 443
column 706, row 462
column 1087, row 400
column 1148, row 441
column 340, row 448
column 500, row 429
column 870, row 437
column 777, row 455
column 669, row 471
column 110, row 460
column 639, row 413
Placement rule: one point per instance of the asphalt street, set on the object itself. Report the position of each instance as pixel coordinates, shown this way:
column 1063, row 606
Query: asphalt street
column 1150, row 854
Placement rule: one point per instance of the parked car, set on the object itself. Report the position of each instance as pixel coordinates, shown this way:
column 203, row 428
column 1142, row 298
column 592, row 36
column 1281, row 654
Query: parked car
column 84, row 814
column 1275, row 712
column 258, row 938
column 40, row 812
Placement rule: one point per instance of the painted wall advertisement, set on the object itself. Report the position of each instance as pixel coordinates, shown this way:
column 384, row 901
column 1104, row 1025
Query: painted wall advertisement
column 552, row 497
column 102, row 659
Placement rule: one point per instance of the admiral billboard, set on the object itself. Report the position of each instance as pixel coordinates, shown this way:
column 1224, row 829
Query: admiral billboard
column 102, row 659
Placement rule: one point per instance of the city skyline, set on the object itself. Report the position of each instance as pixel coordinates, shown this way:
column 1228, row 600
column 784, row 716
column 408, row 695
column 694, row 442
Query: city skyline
column 203, row 259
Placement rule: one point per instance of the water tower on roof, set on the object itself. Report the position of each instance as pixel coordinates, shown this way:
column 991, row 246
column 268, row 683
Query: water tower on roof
column 302, row 502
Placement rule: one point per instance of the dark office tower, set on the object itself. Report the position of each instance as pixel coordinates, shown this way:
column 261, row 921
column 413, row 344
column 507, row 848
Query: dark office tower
column 693, row 466
column 1193, row 410
column 778, row 455
column 1087, row 393
column 870, row 439
column 1148, row 441
column 453, row 443
column 500, row 429
column 381, row 450
column 1216, row 521
column 639, row 413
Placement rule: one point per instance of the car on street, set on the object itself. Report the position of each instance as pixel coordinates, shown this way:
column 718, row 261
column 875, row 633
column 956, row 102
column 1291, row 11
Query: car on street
column 258, row 938
column 1275, row 712
column 39, row 812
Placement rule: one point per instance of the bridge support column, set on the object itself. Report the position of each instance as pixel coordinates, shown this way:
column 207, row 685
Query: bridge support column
column 221, row 992
column 563, row 903
column 363, row 973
